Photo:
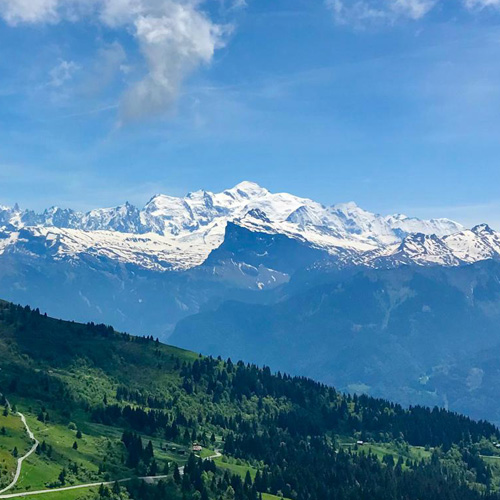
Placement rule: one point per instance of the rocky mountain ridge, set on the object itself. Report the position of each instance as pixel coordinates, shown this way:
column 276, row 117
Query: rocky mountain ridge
column 172, row 233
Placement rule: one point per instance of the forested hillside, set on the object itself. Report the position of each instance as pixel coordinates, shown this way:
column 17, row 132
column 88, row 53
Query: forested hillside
column 107, row 406
column 412, row 335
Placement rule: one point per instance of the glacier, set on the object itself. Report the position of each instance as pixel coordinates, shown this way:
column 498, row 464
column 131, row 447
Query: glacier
column 177, row 234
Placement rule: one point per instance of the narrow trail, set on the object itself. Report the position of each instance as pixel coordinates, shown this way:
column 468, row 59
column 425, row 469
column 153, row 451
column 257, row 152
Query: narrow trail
column 24, row 457
column 147, row 479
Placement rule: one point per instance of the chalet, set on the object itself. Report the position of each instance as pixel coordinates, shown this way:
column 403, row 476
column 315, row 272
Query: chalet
column 197, row 447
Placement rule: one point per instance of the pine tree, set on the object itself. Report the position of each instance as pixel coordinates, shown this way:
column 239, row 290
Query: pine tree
column 153, row 468
column 148, row 452
column 177, row 474
column 248, row 479
column 62, row 476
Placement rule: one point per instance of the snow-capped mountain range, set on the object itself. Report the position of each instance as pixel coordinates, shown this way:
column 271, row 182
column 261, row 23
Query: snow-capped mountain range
column 333, row 292
column 172, row 233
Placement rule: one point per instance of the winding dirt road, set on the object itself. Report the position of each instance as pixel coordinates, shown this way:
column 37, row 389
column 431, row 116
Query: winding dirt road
column 24, row 457
column 148, row 479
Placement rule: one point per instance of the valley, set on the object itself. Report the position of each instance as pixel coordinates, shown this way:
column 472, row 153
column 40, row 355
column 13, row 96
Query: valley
column 109, row 409
column 276, row 279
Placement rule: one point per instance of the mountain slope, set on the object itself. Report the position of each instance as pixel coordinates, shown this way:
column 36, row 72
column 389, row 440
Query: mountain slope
column 179, row 233
column 145, row 269
column 402, row 333
column 106, row 406
column 134, row 299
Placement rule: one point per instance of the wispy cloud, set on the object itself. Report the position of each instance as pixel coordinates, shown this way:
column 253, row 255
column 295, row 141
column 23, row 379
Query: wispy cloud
column 239, row 4
column 174, row 44
column 62, row 73
column 29, row 11
column 378, row 11
column 108, row 65
column 175, row 38
column 360, row 13
column 481, row 4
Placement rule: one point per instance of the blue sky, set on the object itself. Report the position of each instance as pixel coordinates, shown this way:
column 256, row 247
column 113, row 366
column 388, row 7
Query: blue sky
column 394, row 104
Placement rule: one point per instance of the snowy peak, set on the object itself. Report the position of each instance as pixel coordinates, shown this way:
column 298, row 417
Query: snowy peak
column 482, row 229
column 183, row 231
column 124, row 218
column 162, row 205
column 426, row 249
column 479, row 243
column 246, row 190
column 309, row 215
column 464, row 247
column 60, row 217
column 167, row 215
column 439, row 227
column 361, row 222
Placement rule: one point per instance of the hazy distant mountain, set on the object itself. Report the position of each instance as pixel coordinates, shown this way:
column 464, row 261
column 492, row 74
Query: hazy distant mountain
column 177, row 256
column 179, row 233
column 391, row 305
column 427, row 335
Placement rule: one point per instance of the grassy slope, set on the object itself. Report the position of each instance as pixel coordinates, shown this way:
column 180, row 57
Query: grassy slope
column 99, row 446
column 382, row 449
column 235, row 468
column 83, row 494
column 90, row 367
column 39, row 470
column 15, row 437
column 268, row 496
column 144, row 365
column 77, row 364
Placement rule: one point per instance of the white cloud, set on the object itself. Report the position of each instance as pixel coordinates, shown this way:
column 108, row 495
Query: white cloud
column 62, row 73
column 239, row 4
column 119, row 12
column 414, row 9
column 174, row 36
column 16, row 12
column 361, row 12
column 481, row 4
column 29, row 11
column 174, row 42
